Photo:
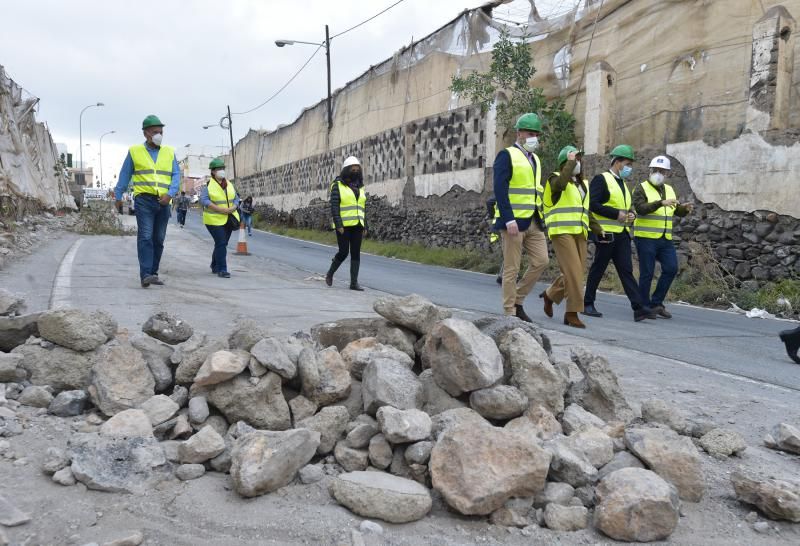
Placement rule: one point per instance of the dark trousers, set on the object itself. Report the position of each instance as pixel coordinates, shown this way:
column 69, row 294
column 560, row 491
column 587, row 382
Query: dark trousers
column 618, row 251
column 219, row 257
column 151, row 221
column 182, row 217
column 349, row 242
column 651, row 251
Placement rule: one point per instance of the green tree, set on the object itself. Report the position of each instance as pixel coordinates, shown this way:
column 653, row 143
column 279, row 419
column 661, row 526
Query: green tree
column 510, row 74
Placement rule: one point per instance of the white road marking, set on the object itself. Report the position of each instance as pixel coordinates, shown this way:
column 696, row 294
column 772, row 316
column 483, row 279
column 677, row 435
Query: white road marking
column 62, row 284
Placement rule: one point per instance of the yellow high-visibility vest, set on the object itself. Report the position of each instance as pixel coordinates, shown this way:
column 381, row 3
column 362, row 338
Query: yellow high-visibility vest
column 525, row 187
column 352, row 209
column 570, row 215
column 659, row 222
column 153, row 177
column 618, row 199
column 221, row 198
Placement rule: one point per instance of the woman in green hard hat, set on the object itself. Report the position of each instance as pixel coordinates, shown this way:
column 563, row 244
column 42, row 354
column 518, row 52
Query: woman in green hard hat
column 220, row 201
column 566, row 215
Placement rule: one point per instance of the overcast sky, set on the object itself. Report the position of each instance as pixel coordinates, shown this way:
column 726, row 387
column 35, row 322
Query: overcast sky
column 186, row 60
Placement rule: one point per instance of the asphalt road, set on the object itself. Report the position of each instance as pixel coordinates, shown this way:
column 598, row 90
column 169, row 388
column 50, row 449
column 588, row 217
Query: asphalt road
column 718, row 340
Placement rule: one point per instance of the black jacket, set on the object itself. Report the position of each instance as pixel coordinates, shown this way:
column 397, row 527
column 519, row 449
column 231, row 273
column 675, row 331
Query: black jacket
column 336, row 199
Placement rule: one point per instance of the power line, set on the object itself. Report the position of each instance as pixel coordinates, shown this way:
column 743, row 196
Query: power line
column 368, row 20
column 284, row 86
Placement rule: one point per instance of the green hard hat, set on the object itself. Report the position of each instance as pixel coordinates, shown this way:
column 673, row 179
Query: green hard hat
column 562, row 155
column 623, row 150
column 529, row 122
column 216, row 163
column 151, row 121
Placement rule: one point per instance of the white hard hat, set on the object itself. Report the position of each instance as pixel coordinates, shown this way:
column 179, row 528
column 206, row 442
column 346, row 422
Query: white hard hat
column 661, row 162
column 352, row 160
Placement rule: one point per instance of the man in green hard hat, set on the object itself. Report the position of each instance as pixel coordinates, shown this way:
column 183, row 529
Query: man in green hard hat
column 153, row 172
column 611, row 205
column 519, row 213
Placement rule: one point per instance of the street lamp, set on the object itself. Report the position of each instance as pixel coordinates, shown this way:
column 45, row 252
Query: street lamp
column 327, row 45
column 101, row 155
column 80, row 129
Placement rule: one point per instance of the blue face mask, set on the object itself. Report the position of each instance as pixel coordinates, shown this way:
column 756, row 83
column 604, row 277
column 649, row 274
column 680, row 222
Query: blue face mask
column 626, row 171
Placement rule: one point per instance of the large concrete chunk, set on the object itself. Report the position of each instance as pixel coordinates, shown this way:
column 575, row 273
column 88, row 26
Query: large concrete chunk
column 359, row 353
column 201, row 447
column 264, row 461
column 599, row 391
column 435, row 399
column 132, row 423
column 387, row 382
column 271, row 354
column 569, row 465
column 575, row 418
column 342, row 332
column 531, row 370
column 62, row 369
column 119, row 465
column 594, row 444
column 246, row 333
column 477, row 468
column 778, row 499
column 121, row 379
column 657, row 411
column 461, row 357
column 218, row 367
column 15, row 330
column 330, row 423
column 158, row 356
column 404, row 426
column 636, row 505
column 74, row 329
column 192, row 353
column 412, row 311
column 536, row 421
column 499, row 402
column 260, row 405
column 324, row 376
column 11, row 370
column 673, row 457
column 497, row 326
column 167, row 328
column 784, row 437
column 160, row 408
column 383, row 496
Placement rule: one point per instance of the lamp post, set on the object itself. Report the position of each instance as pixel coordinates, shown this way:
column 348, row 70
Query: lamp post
column 80, row 131
column 101, row 155
column 327, row 45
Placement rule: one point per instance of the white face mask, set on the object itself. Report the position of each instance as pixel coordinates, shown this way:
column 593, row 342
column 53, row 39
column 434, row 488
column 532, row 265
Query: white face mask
column 657, row 179
column 220, row 174
column 157, row 138
column 577, row 169
column 531, row 143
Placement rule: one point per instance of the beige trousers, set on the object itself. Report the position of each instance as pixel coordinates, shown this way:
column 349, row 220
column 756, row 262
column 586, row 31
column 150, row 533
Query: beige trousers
column 571, row 255
column 534, row 243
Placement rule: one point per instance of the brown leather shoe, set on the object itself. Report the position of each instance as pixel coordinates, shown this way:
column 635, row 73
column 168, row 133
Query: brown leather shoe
column 548, row 304
column 571, row 319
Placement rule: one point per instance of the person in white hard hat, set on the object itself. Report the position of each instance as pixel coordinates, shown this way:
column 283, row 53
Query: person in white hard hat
column 348, row 217
column 656, row 203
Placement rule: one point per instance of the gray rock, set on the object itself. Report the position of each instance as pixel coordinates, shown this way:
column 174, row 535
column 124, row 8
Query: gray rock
column 11, row 368
column 658, row 411
column 265, row 461
column 636, row 505
column 499, row 402
column 554, row 493
column 198, row 409
column 536, row 421
column 55, row 460
column 73, row 329
column 776, row 498
column 355, row 400
column 531, row 370
column 404, row 426
column 514, row 513
column 673, row 457
column 302, row 408
column 446, row 420
column 181, row 428
column 220, row 366
column 132, row 423
column 186, row 472
column 324, row 376
column 246, row 333
column 260, row 405
column 158, row 356
column 15, row 330
column 575, row 419
column 10, row 304
column 497, row 326
column 599, row 391
column 159, row 408
column 60, row 368
column 270, row 353
column 359, row 353
column 370, row 527
column 413, row 312
column 344, row 331
column 349, row 458
column 10, row 515
column 595, row 445
column 361, row 434
column 566, row 518
column 622, row 459
column 9, row 425
column 380, row 452
column 569, row 465
column 461, row 357
column 784, row 437
column 35, row 397
column 64, row 477
column 761, row 527
column 167, row 328
column 201, row 447
column 435, row 399
column 389, row 383
column 193, row 354
column 120, row 379
column 120, row 465
column 418, row 453
column 330, row 423
column 722, row 443
column 382, row 496
column 180, row 395
column 311, row 473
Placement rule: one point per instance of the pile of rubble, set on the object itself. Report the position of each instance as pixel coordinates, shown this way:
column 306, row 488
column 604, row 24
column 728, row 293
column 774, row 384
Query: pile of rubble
column 19, row 237
column 393, row 412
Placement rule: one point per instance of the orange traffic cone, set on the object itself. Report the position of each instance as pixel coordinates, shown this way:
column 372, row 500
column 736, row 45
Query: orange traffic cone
column 241, row 246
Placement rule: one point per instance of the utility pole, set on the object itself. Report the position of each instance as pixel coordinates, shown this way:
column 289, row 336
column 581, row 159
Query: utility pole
column 233, row 152
column 328, row 59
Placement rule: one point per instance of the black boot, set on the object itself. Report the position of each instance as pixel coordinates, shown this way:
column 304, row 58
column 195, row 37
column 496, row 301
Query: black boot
column 329, row 275
column 354, row 265
column 791, row 338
